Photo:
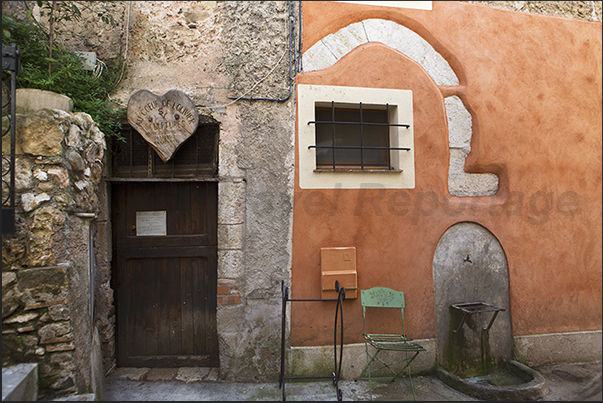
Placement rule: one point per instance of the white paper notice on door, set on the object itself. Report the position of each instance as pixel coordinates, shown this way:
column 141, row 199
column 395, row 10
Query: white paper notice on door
column 151, row 223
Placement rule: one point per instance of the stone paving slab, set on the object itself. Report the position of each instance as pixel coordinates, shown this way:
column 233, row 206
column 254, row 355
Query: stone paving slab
column 161, row 374
column 90, row 397
column 567, row 382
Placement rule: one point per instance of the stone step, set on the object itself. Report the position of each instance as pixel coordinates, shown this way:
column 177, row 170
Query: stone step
column 20, row 382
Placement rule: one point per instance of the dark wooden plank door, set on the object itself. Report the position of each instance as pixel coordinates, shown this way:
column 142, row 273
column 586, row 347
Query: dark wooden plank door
column 166, row 285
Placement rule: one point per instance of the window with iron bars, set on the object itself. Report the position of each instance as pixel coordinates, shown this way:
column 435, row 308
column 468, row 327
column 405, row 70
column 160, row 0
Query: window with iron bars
column 353, row 137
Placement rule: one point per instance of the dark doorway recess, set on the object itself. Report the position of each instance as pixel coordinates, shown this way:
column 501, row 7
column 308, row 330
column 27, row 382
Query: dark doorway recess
column 165, row 285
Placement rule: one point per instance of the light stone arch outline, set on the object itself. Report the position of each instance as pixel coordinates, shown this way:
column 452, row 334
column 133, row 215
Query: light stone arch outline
column 461, row 183
column 330, row 49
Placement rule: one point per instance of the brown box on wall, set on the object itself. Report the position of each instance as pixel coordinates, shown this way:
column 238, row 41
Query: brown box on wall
column 338, row 264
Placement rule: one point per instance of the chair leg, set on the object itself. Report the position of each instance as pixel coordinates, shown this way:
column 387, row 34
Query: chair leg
column 407, row 365
column 412, row 387
column 407, row 368
column 368, row 368
column 367, row 371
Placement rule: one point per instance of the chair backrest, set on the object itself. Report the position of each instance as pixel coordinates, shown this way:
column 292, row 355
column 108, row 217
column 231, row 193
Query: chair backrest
column 382, row 297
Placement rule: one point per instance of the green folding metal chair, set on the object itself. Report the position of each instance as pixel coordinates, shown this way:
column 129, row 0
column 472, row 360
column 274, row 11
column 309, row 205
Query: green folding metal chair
column 375, row 299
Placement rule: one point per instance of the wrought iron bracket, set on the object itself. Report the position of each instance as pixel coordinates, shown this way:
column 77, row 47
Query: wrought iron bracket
column 11, row 59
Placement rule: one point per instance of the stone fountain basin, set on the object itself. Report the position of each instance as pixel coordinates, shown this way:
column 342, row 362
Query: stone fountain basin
column 515, row 382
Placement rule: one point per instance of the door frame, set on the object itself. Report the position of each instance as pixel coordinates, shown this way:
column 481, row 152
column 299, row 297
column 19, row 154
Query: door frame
column 125, row 251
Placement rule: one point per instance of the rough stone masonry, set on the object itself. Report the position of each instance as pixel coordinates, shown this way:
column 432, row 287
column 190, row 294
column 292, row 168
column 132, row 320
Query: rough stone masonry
column 46, row 283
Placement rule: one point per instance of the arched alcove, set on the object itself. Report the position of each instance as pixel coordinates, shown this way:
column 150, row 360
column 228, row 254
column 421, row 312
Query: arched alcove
column 469, row 265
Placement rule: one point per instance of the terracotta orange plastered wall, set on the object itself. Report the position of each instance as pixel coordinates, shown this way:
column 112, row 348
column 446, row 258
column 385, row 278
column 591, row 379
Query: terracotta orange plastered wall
column 533, row 87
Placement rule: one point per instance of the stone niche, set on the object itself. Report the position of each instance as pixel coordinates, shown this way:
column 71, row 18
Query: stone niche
column 46, row 264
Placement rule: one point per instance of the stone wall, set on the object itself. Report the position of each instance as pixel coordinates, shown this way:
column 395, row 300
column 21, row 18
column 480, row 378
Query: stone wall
column 107, row 40
column 215, row 52
column 582, row 10
column 46, row 287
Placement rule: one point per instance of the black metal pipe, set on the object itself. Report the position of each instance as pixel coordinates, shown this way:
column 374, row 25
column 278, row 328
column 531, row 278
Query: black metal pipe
column 387, row 137
column 313, row 300
column 299, row 65
column 308, row 377
column 475, row 307
column 333, row 142
column 487, row 329
column 337, row 374
column 11, row 62
column 361, row 142
column 283, row 322
column 13, row 117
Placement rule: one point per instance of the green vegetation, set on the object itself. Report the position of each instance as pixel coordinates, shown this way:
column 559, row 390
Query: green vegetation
column 46, row 65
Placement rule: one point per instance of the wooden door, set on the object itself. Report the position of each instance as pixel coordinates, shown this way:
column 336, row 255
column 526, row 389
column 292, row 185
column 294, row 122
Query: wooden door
column 165, row 273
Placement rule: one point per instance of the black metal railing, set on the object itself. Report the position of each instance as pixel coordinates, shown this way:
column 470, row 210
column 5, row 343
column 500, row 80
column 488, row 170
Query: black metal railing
column 11, row 64
column 338, row 313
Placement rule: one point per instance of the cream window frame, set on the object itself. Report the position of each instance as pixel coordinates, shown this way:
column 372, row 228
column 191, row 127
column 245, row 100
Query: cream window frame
column 400, row 104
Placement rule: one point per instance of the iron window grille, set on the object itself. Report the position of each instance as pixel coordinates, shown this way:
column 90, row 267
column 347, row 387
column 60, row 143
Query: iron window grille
column 197, row 157
column 351, row 138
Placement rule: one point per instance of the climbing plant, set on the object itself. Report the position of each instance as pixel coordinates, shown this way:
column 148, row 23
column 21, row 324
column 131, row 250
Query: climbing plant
column 47, row 65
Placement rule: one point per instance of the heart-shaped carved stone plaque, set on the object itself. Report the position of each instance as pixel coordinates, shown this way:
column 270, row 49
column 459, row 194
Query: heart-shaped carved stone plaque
column 165, row 122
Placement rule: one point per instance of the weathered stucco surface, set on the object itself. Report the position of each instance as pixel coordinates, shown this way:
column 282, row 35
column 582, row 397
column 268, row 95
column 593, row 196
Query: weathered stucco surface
column 584, row 10
column 532, row 81
column 532, row 85
column 214, row 51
